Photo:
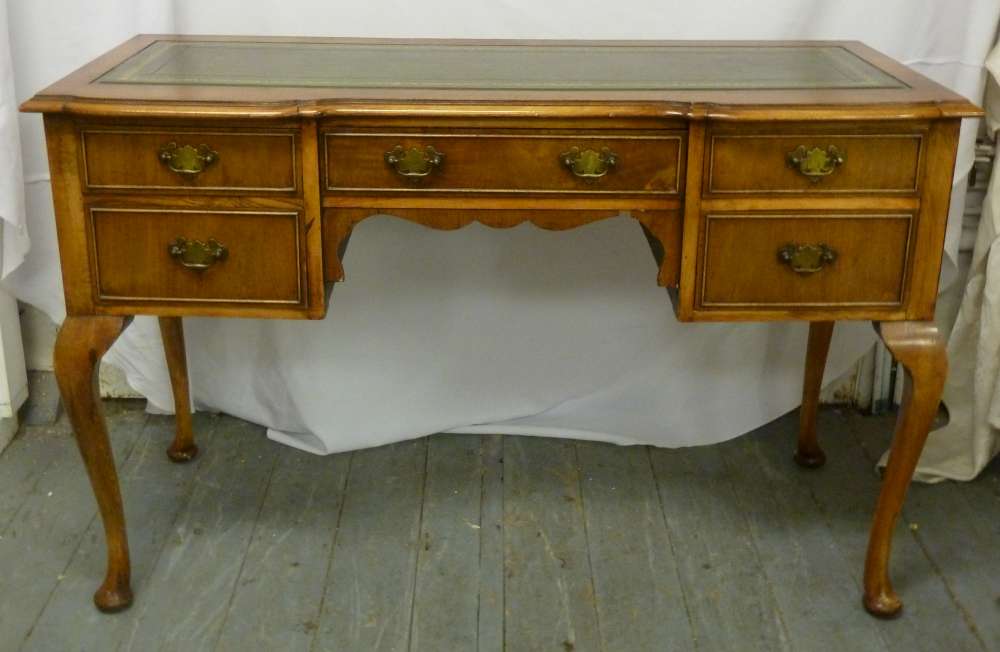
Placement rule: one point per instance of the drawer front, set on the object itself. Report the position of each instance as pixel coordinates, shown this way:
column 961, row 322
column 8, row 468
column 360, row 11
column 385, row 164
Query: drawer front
column 189, row 160
column 197, row 256
column 813, row 163
column 402, row 162
column 757, row 261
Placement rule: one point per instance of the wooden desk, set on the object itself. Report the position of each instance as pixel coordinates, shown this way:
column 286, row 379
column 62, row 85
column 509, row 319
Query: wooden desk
column 223, row 176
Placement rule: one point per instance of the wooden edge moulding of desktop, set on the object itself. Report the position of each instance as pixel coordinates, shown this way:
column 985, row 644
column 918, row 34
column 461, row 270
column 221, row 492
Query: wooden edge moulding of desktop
column 222, row 176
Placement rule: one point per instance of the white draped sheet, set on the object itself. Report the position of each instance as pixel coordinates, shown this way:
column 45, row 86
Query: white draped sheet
column 971, row 438
column 14, row 241
column 520, row 331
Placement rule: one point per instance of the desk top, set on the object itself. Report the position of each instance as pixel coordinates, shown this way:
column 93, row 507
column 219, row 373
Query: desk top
column 516, row 66
column 270, row 76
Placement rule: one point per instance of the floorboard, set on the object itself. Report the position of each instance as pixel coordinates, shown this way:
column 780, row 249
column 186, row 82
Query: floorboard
column 446, row 594
column 640, row 602
column 461, row 542
column 369, row 590
column 41, row 539
column 154, row 491
column 549, row 592
column 186, row 599
column 491, row 536
column 730, row 599
column 846, row 490
column 27, row 458
column 958, row 527
column 276, row 602
column 809, row 574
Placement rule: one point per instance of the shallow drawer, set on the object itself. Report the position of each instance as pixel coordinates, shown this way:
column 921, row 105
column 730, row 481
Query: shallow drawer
column 171, row 256
column 786, row 260
column 189, row 160
column 402, row 162
column 811, row 162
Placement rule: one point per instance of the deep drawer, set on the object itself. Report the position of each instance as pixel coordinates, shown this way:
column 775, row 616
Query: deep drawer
column 760, row 261
column 504, row 162
column 813, row 162
column 197, row 256
column 158, row 159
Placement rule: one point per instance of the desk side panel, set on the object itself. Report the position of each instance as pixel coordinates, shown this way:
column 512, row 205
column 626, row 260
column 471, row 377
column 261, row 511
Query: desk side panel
column 62, row 140
column 932, row 222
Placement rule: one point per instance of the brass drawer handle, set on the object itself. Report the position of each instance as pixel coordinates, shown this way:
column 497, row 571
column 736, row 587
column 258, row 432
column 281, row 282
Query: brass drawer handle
column 187, row 159
column 414, row 163
column 816, row 163
column 806, row 258
column 195, row 254
column 589, row 164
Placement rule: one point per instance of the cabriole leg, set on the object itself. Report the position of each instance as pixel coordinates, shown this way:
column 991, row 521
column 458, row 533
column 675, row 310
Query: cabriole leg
column 920, row 351
column 81, row 343
column 183, row 448
column 808, row 453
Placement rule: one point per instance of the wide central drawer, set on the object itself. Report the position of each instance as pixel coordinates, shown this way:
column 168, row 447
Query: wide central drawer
column 647, row 164
column 787, row 260
column 200, row 256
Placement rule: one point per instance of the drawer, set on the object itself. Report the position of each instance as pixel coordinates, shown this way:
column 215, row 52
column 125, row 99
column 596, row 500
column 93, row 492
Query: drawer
column 504, row 162
column 786, row 260
column 811, row 162
column 189, row 160
column 197, row 256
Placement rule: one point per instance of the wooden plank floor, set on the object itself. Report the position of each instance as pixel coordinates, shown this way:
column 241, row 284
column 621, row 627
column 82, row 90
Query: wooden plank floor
column 461, row 542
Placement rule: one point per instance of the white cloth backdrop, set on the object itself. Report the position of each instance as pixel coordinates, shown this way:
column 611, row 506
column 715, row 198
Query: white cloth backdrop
column 13, row 230
column 518, row 331
column 961, row 449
